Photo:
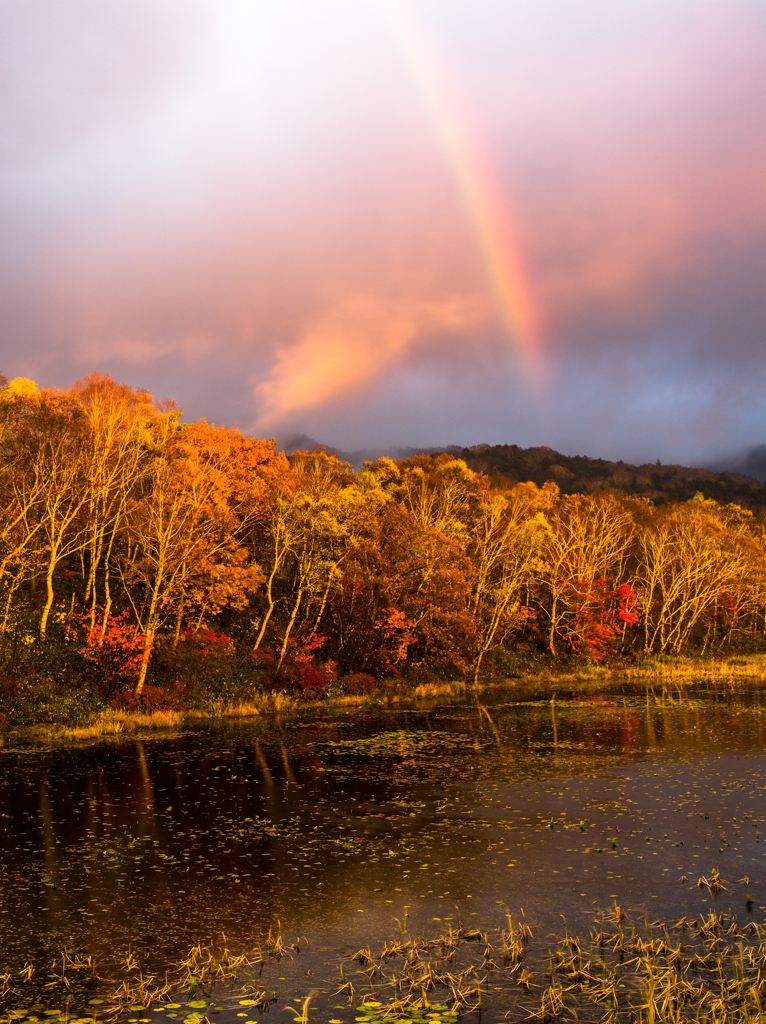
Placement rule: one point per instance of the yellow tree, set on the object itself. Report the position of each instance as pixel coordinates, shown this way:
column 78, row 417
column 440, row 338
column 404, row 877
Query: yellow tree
column 52, row 445
column 689, row 555
column 311, row 529
column 506, row 536
column 116, row 423
column 22, row 489
column 756, row 591
column 419, row 556
column 442, row 495
column 185, row 532
column 588, row 538
column 440, row 492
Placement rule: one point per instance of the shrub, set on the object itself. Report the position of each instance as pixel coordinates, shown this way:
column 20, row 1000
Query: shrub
column 116, row 655
column 358, row 684
column 39, row 699
column 151, row 698
column 193, row 661
column 238, row 680
column 313, row 682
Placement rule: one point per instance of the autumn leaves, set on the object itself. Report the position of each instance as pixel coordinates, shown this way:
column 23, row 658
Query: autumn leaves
column 119, row 508
column 111, row 507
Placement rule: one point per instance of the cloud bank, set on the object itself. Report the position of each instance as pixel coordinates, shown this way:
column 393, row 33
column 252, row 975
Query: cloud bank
column 251, row 208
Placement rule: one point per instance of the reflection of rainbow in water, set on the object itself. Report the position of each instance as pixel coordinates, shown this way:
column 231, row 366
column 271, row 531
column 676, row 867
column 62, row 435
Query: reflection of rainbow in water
column 482, row 193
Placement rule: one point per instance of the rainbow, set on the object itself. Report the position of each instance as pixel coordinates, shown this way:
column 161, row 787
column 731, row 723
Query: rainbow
column 482, row 193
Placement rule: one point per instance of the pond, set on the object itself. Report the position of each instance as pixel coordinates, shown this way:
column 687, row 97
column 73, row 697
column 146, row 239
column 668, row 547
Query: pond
column 299, row 841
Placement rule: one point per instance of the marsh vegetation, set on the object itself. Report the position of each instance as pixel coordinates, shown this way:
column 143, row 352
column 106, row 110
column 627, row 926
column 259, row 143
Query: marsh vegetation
column 433, row 862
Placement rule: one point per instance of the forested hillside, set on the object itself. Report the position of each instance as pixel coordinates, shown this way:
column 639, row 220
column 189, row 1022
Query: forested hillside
column 579, row 474
column 143, row 556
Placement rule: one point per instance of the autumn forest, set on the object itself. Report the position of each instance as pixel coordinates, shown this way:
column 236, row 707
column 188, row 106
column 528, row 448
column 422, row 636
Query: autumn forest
column 148, row 562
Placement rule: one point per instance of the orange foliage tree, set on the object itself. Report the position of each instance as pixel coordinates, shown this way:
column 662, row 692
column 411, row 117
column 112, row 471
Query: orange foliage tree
column 118, row 518
column 185, row 532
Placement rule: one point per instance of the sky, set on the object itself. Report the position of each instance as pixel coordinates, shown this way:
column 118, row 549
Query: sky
column 396, row 222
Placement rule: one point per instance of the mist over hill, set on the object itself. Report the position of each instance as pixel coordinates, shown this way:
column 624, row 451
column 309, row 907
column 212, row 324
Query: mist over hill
column 750, row 462
column 738, row 480
column 302, row 442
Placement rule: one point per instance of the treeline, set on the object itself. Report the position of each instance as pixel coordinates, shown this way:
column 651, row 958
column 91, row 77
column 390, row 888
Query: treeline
column 139, row 552
column 579, row 474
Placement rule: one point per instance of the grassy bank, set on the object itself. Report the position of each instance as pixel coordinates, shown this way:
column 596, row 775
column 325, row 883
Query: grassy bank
column 114, row 722
column 555, row 682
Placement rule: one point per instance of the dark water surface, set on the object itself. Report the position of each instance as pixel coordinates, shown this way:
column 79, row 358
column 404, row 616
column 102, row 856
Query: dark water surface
column 345, row 828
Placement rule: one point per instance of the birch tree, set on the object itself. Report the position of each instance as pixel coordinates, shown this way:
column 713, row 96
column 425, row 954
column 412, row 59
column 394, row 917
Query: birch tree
column 185, row 533
column 689, row 555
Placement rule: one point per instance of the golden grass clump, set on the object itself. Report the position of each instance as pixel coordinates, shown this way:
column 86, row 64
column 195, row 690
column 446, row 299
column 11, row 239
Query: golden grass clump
column 706, row 971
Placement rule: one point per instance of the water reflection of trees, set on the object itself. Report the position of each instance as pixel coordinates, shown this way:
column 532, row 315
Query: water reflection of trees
column 168, row 840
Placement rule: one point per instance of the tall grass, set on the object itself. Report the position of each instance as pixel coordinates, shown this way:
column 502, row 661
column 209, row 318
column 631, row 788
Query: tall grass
column 706, row 969
column 117, row 722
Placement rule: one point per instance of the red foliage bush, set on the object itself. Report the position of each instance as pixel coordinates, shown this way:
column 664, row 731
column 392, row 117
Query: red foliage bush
column 601, row 616
column 306, row 648
column 313, row 682
column 117, row 654
column 207, row 641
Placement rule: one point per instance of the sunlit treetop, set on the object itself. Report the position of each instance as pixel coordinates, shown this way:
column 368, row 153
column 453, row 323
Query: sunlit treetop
column 19, row 387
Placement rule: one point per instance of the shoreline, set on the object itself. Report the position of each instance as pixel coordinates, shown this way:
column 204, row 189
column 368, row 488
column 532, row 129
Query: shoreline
column 565, row 684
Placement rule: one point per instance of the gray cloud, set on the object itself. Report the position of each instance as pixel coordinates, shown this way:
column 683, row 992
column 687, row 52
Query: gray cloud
column 222, row 200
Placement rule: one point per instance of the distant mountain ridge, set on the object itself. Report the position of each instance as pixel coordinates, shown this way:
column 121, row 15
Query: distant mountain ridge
column 578, row 474
column 302, row 442
column 575, row 474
